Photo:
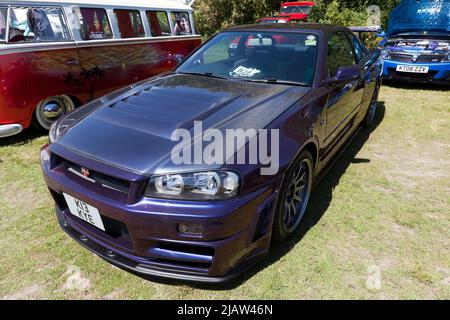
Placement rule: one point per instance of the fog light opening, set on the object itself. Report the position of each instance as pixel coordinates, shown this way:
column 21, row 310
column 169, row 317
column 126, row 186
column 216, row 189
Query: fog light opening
column 191, row 229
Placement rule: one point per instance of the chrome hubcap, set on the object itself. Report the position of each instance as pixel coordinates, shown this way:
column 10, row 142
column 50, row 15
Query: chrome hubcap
column 52, row 111
column 297, row 196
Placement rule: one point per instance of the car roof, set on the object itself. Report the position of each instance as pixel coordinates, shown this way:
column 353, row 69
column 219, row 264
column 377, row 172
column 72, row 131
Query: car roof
column 160, row 4
column 293, row 27
column 297, row 3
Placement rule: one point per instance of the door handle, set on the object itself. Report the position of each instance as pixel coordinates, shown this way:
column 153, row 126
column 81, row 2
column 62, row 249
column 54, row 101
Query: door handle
column 73, row 62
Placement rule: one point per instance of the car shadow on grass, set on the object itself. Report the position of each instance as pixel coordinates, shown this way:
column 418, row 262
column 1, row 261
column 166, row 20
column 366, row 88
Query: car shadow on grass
column 23, row 138
column 415, row 86
column 320, row 200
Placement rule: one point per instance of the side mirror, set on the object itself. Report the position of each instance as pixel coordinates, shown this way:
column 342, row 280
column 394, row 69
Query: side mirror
column 345, row 74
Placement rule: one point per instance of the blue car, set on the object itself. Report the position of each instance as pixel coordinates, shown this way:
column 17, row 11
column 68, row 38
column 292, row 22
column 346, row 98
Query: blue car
column 416, row 45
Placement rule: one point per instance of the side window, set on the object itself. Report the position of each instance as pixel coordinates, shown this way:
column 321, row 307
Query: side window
column 359, row 50
column 159, row 23
column 29, row 24
column 3, row 14
column 94, row 24
column 181, row 23
column 340, row 53
column 130, row 24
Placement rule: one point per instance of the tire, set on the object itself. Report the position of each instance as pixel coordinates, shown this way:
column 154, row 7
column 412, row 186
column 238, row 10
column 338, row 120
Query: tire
column 51, row 109
column 372, row 110
column 294, row 196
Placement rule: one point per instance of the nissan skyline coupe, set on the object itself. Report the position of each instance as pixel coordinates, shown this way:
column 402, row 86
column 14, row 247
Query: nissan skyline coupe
column 192, row 174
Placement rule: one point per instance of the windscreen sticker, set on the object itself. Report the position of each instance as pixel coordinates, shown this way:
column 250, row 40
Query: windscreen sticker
column 311, row 41
column 244, row 72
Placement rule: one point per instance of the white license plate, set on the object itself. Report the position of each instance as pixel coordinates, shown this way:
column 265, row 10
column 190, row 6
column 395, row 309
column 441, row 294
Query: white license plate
column 412, row 69
column 84, row 211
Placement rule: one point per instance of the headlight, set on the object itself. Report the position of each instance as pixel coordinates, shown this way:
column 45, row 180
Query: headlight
column 385, row 54
column 211, row 185
column 58, row 128
column 52, row 135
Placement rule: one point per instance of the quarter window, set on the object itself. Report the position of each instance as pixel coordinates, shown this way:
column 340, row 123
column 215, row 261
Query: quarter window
column 94, row 24
column 340, row 53
column 181, row 24
column 359, row 50
column 36, row 24
column 159, row 23
column 3, row 13
column 130, row 23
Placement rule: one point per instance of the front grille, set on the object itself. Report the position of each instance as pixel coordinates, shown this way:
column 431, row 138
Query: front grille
column 423, row 58
column 96, row 177
column 430, row 58
column 114, row 228
column 401, row 57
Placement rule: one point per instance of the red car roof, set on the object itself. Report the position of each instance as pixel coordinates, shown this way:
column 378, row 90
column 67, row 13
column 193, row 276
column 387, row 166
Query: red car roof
column 299, row 3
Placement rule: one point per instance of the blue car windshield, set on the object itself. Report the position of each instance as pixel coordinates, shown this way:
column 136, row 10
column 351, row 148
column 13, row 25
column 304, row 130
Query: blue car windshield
column 277, row 57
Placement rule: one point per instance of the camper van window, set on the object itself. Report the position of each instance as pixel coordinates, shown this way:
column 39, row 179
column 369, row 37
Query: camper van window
column 3, row 13
column 181, row 24
column 159, row 23
column 94, row 24
column 130, row 24
column 37, row 25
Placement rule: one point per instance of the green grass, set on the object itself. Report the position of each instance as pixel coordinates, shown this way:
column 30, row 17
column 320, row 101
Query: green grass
column 384, row 205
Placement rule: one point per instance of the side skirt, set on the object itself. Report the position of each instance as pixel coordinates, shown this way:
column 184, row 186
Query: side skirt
column 333, row 161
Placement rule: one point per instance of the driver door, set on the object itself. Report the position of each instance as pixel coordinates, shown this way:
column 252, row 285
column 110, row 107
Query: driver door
column 344, row 97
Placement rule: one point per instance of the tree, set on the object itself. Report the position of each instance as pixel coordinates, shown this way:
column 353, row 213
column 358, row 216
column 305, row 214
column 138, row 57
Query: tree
column 350, row 12
column 214, row 15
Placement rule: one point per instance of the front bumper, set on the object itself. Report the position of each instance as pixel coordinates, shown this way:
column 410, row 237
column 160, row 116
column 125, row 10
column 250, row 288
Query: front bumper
column 142, row 236
column 438, row 73
column 8, row 130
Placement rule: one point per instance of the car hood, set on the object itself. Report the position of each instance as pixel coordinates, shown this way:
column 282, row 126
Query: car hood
column 419, row 16
column 134, row 131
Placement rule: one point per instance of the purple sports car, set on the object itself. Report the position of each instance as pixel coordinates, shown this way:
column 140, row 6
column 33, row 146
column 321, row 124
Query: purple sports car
column 191, row 174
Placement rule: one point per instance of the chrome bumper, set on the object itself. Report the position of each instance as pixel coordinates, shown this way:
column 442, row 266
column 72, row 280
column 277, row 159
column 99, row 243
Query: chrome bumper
column 8, row 130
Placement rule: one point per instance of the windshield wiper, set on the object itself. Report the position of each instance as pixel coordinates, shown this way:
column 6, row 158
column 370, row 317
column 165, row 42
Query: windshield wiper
column 203, row 74
column 275, row 81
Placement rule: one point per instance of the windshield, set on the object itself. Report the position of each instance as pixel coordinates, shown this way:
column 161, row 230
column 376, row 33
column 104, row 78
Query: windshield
column 267, row 21
column 252, row 56
column 296, row 9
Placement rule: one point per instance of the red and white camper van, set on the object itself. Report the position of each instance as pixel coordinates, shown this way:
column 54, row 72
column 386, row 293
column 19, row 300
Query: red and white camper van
column 58, row 55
